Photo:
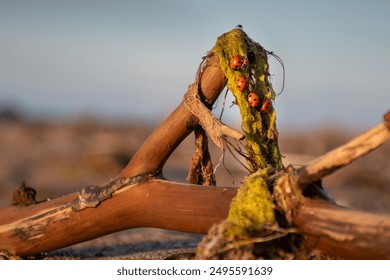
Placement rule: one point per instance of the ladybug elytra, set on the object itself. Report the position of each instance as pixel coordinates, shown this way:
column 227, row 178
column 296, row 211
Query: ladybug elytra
column 241, row 83
column 236, row 62
column 253, row 100
column 265, row 107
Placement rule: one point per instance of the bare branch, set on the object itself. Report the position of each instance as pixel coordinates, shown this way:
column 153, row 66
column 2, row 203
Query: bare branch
column 56, row 223
column 214, row 127
column 343, row 155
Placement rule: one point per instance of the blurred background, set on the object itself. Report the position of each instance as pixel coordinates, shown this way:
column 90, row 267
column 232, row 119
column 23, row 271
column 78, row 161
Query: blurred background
column 83, row 83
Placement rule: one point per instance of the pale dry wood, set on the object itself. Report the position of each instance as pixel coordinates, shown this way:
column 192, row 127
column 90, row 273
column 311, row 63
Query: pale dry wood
column 215, row 129
column 343, row 155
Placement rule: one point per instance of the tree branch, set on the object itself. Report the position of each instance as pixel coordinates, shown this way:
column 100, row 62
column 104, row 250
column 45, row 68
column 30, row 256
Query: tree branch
column 214, row 127
column 157, row 203
column 344, row 233
column 343, row 155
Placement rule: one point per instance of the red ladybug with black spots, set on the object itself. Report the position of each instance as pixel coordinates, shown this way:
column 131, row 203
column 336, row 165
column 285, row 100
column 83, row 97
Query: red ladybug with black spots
column 241, row 83
column 253, row 100
column 236, row 62
column 266, row 106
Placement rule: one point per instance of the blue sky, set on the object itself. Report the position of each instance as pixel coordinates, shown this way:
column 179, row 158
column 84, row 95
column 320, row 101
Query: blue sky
column 135, row 59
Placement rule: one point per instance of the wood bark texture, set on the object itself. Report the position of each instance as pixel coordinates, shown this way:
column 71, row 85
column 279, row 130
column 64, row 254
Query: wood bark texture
column 157, row 203
column 344, row 233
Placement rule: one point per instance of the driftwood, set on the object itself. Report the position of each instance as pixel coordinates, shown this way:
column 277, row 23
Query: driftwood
column 157, row 203
column 344, row 233
column 140, row 197
column 344, row 155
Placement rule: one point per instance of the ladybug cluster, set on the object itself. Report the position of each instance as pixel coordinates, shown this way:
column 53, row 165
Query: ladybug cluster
column 238, row 63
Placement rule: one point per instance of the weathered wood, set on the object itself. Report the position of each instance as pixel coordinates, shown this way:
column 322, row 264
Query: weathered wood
column 43, row 227
column 157, row 203
column 344, row 233
column 343, row 155
column 215, row 129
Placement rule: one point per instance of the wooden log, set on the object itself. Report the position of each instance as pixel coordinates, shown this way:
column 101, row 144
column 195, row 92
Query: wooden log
column 344, row 233
column 157, row 203
column 43, row 227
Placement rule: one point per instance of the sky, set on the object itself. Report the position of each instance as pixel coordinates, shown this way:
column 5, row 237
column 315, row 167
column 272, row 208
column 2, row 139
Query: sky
column 133, row 60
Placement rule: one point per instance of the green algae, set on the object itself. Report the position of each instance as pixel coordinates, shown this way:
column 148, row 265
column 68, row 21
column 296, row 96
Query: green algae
column 253, row 206
column 259, row 128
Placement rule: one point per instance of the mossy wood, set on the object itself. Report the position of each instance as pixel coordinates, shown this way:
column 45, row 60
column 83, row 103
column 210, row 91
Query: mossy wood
column 253, row 205
column 259, row 127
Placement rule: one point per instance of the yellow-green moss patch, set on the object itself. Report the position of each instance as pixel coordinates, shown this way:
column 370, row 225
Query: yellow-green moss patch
column 252, row 207
column 259, row 127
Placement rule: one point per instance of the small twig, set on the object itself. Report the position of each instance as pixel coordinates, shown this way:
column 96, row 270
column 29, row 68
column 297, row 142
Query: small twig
column 214, row 127
column 240, row 153
column 344, row 155
column 231, row 132
column 277, row 233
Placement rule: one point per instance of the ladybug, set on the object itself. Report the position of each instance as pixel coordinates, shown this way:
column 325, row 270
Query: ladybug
column 253, row 100
column 265, row 107
column 241, row 83
column 236, row 62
